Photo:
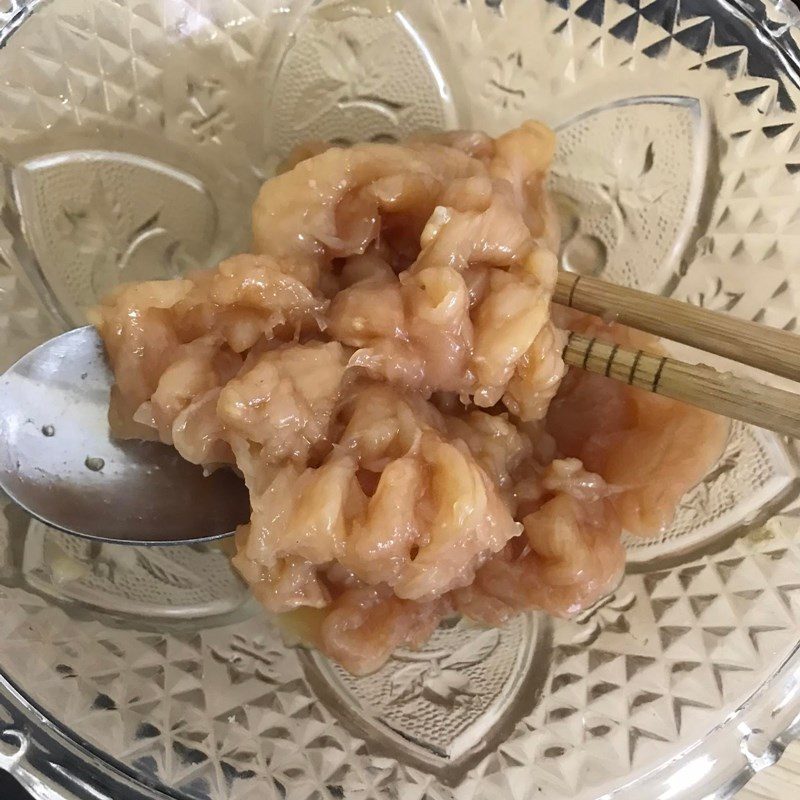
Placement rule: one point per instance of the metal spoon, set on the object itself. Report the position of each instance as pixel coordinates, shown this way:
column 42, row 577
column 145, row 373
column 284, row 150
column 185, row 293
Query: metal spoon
column 59, row 462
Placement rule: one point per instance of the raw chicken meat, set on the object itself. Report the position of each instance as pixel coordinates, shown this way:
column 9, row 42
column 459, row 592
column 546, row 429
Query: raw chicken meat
column 385, row 372
column 650, row 448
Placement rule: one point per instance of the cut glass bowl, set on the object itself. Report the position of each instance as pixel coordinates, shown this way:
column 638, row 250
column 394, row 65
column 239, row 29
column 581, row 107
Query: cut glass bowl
column 134, row 135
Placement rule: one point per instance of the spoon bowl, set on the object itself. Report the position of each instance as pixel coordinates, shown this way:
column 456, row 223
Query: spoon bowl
column 59, row 462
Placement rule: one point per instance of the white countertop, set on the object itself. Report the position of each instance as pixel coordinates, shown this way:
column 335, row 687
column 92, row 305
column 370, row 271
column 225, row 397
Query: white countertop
column 779, row 782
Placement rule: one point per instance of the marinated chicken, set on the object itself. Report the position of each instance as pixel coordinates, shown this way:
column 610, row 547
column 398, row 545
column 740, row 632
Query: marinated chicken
column 385, row 372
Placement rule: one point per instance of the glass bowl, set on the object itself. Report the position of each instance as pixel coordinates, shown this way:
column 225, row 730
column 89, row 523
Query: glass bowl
column 134, row 135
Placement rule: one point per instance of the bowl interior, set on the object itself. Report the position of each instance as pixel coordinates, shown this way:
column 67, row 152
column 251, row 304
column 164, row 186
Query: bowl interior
column 133, row 138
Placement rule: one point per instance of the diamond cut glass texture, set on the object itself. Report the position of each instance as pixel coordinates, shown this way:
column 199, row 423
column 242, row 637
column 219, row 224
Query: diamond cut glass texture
column 133, row 137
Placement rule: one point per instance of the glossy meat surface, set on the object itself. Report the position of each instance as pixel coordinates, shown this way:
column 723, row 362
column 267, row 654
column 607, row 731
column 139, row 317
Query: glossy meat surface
column 385, row 372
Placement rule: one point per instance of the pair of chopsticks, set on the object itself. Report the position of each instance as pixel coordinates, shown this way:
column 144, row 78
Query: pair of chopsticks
column 770, row 349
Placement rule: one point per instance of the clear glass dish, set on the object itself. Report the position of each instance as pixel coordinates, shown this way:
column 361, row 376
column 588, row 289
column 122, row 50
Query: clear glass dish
column 133, row 137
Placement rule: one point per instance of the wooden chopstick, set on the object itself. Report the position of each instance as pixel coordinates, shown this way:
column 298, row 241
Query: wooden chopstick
column 776, row 351
column 697, row 384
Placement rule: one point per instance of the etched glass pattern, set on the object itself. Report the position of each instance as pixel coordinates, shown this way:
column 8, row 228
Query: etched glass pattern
column 133, row 137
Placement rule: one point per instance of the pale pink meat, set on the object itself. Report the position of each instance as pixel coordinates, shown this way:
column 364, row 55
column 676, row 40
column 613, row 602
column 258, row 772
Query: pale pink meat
column 453, row 519
column 138, row 331
column 385, row 372
column 431, row 517
column 198, row 434
column 573, row 557
column 522, row 158
column 302, row 516
column 365, row 625
column 196, row 368
column 247, row 298
column 330, row 205
column 284, row 400
column 537, row 376
column 425, row 337
column 383, row 424
column 650, row 448
column 497, row 444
